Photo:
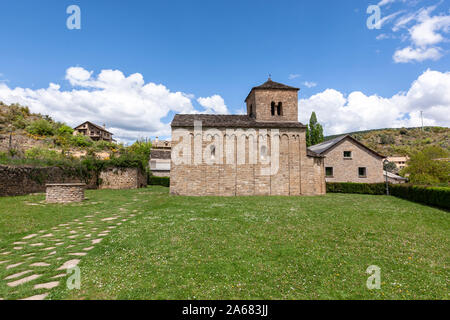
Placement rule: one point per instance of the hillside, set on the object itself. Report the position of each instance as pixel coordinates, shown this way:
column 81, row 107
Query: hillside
column 402, row 141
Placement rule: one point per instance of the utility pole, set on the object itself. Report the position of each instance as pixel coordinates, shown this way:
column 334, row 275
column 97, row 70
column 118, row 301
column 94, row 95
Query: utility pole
column 421, row 116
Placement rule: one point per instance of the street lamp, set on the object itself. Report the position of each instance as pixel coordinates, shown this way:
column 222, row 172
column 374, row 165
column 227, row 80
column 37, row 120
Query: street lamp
column 385, row 162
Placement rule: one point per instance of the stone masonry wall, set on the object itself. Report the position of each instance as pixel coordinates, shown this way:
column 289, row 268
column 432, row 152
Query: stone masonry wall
column 262, row 99
column 346, row 170
column 122, row 178
column 65, row 193
column 298, row 174
column 21, row 180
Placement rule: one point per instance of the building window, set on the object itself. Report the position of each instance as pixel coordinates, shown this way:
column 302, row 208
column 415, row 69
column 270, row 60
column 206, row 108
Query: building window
column 347, row 154
column 279, row 109
column 329, row 171
column 213, row 152
column 272, row 108
column 252, row 113
column 362, row 172
column 263, row 152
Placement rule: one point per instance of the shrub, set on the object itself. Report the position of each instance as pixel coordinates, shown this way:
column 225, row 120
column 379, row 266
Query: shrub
column 41, row 127
column 361, row 188
column 81, row 141
column 435, row 196
column 64, row 130
column 37, row 153
column 159, row 181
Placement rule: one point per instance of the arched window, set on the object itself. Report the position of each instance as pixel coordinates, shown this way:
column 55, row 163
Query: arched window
column 263, row 152
column 280, row 109
column 212, row 149
column 272, row 108
column 252, row 113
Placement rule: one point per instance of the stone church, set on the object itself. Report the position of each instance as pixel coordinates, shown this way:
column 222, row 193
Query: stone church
column 261, row 153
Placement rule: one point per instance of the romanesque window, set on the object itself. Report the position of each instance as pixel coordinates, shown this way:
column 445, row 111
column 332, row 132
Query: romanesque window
column 252, row 113
column 212, row 149
column 279, row 109
column 272, row 108
column 329, row 171
column 362, row 172
column 263, row 152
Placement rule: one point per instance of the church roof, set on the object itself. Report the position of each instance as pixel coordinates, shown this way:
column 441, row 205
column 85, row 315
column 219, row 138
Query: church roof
column 272, row 85
column 229, row 121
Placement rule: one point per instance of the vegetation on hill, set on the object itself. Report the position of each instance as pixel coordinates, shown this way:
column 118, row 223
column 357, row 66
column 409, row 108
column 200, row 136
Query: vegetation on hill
column 403, row 141
column 45, row 142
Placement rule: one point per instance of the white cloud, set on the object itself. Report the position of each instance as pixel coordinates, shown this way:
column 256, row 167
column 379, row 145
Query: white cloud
column 426, row 33
column 130, row 107
column 409, row 54
column 213, row 104
column 338, row 114
column 309, row 84
column 294, row 76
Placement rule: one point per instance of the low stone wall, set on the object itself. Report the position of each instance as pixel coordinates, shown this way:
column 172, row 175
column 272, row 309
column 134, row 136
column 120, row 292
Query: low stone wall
column 122, row 178
column 65, row 192
column 21, row 180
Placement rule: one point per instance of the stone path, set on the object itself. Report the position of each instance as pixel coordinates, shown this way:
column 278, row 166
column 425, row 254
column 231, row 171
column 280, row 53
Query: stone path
column 38, row 262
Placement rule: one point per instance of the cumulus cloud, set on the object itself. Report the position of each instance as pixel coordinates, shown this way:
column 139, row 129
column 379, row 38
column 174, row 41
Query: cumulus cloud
column 409, row 54
column 213, row 104
column 128, row 106
column 338, row 113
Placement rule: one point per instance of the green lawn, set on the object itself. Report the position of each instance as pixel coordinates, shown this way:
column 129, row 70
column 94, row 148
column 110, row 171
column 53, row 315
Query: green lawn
column 171, row 247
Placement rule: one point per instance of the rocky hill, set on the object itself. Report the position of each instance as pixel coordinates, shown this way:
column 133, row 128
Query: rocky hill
column 403, row 141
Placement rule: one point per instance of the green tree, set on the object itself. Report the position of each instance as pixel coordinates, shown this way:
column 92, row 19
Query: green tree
column 390, row 167
column 425, row 168
column 314, row 132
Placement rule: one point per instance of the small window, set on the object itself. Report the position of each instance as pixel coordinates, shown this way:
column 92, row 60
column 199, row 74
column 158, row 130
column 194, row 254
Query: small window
column 362, row 172
column 263, row 152
column 272, row 108
column 279, row 109
column 213, row 152
column 252, row 113
column 329, row 171
column 347, row 154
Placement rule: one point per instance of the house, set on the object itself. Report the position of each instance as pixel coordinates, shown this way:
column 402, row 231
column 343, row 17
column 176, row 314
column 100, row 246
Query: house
column 400, row 162
column 261, row 153
column 348, row 160
column 393, row 178
column 159, row 162
column 94, row 131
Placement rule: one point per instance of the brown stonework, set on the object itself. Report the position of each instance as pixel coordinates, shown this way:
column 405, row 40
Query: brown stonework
column 299, row 171
column 122, row 178
column 65, row 192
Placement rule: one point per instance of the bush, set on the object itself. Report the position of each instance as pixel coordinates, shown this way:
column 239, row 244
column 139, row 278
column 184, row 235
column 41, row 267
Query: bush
column 361, row 188
column 37, row 153
column 81, row 141
column 41, row 127
column 435, row 196
column 159, row 181
column 64, row 130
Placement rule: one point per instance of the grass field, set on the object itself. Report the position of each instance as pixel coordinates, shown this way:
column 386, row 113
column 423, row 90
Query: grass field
column 156, row 246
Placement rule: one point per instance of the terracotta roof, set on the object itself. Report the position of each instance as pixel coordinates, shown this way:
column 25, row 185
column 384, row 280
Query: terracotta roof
column 95, row 125
column 272, row 85
column 229, row 121
column 325, row 146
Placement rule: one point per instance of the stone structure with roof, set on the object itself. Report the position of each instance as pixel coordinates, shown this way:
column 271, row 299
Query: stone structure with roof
column 160, row 158
column 348, row 160
column 261, row 153
column 93, row 131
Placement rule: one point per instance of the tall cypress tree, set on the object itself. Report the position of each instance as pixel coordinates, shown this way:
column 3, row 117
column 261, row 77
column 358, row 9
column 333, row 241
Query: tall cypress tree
column 314, row 132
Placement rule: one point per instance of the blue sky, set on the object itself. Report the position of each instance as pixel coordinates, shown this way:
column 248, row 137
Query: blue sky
column 216, row 50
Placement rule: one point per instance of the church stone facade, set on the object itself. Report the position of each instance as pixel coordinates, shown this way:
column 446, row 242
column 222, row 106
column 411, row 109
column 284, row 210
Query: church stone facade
column 261, row 153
